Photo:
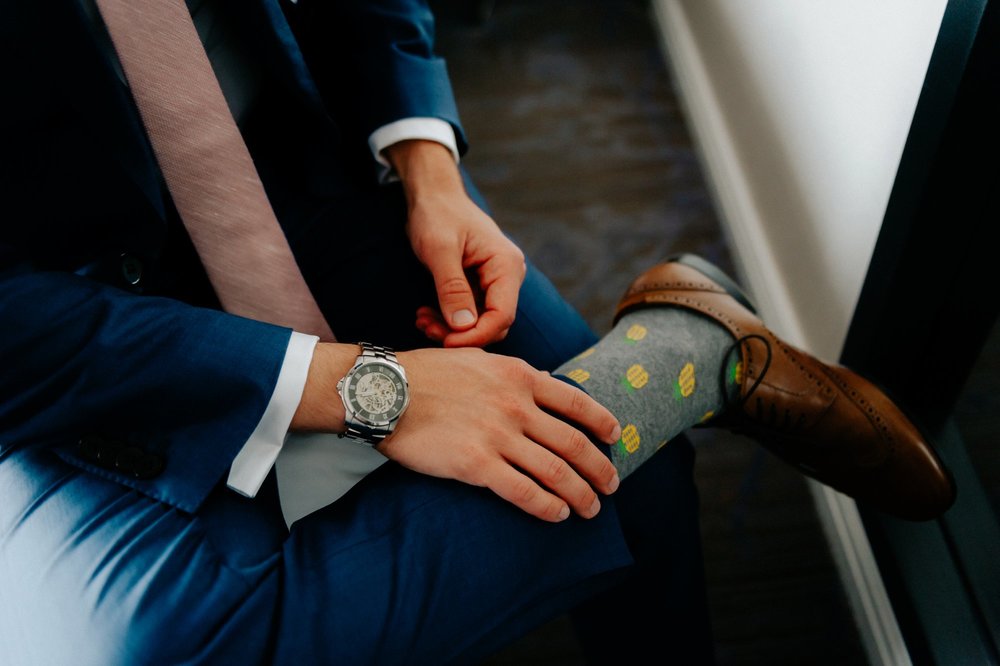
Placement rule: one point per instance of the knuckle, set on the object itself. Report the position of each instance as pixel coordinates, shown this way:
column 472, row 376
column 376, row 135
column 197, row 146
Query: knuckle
column 557, row 471
column 577, row 445
column 433, row 244
column 496, row 430
column 578, row 403
column 471, row 464
column 524, row 491
column 586, row 497
column 453, row 286
column 516, row 408
column 609, row 471
column 519, row 371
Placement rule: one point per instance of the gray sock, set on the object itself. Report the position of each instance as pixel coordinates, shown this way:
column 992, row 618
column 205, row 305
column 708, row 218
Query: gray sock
column 660, row 371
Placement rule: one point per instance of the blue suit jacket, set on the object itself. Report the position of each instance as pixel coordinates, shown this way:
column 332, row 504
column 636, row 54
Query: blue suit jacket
column 114, row 353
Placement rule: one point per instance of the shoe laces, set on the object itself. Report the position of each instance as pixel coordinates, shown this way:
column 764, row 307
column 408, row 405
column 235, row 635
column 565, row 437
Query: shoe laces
column 736, row 418
column 764, row 417
column 741, row 402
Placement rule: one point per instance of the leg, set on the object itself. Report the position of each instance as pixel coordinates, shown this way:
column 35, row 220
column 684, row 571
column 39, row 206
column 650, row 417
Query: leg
column 827, row 421
column 404, row 569
column 95, row 574
column 715, row 363
column 410, row 569
column 547, row 332
column 662, row 601
column 657, row 509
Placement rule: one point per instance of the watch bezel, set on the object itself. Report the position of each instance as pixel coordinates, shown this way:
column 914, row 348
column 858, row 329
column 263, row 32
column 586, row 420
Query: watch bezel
column 356, row 413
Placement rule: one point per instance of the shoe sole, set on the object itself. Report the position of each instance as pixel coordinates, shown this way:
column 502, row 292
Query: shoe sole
column 716, row 275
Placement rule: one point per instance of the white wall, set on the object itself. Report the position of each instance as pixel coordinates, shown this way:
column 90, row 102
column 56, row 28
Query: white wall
column 800, row 110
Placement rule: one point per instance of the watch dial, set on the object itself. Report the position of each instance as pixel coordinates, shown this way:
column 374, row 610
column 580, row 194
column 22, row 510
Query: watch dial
column 376, row 393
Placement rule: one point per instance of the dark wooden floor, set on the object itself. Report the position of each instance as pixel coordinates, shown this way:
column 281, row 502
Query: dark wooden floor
column 580, row 146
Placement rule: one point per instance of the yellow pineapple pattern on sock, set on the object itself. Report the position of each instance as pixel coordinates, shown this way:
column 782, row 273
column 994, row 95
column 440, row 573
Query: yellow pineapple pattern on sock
column 635, row 378
column 635, row 333
column 685, row 382
column 736, row 373
column 628, row 443
column 709, row 414
column 585, row 354
column 579, row 375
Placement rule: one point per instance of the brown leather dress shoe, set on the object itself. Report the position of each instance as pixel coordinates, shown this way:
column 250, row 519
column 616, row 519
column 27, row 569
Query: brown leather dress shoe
column 829, row 422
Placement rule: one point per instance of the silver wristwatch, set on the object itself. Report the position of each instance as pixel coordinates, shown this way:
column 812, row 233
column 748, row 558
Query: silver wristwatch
column 375, row 394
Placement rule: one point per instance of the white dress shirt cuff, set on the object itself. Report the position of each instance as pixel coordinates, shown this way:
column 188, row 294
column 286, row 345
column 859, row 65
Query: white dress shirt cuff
column 255, row 460
column 431, row 129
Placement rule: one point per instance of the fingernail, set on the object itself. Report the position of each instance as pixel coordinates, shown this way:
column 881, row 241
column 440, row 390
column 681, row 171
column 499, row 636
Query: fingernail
column 616, row 433
column 613, row 484
column 462, row 318
column 564, row 513
column 595, row 507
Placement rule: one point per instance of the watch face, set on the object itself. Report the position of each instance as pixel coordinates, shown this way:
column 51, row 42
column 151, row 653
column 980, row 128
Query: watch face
column 376, row 393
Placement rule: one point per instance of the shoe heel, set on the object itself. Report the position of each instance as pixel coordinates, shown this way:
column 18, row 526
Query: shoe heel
column 715, row 274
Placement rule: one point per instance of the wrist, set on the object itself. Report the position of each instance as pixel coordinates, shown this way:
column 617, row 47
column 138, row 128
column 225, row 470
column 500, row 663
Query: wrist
column 424, row 167
column 320, row 409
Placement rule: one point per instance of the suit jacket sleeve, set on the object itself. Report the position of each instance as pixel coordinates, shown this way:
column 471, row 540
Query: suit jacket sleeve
column 381, row 54
column 91, row 370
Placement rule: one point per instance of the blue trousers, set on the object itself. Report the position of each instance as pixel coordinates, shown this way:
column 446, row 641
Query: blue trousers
column 404, row 569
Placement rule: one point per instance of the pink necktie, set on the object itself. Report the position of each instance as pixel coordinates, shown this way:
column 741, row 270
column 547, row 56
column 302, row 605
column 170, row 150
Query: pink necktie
column 207, row 167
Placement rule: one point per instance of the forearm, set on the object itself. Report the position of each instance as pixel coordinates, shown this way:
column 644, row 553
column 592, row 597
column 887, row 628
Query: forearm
column 321, row 409
column 426, row 168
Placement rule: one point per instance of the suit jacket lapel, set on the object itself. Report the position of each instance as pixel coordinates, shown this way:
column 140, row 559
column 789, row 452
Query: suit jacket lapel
column 91, row 75
column 290, row 65
column 98, row 94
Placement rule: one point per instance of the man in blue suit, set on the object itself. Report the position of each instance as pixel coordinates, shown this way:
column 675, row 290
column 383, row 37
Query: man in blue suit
column 142, row 519
column 128, row 394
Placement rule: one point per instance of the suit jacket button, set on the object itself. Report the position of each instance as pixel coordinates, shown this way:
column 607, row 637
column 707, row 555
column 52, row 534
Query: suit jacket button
column 90, row 447
column 127, row 459
column 148, row 466
column 131, row 269
column 98, row 450
column 137, row 463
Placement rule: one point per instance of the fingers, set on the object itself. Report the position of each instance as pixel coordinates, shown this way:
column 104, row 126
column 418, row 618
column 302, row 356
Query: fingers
column 583, row 466
column 560, row 458
column 430, row 322
column 491, row 327
column 577, row 406
column 487, row 330
column 551, row 471
column 500, row 279
column 455, row 297
column 524, row 492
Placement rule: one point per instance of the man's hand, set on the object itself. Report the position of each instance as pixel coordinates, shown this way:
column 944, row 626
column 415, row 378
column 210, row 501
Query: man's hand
column 494, row 421
column 487, row 420
column 457, row 242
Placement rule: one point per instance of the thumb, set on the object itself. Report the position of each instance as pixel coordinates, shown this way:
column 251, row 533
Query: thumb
column 455, row 297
